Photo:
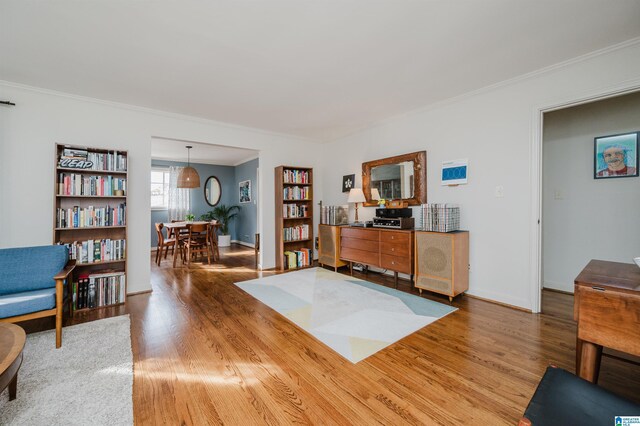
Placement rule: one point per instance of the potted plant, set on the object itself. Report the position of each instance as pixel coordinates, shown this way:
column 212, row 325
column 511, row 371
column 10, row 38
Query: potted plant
column 223, row 214
column 189, row 217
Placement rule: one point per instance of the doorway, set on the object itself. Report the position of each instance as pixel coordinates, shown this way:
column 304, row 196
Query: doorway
column 585, row 216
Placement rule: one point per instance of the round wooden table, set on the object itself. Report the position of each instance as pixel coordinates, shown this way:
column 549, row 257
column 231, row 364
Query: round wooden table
column 12, row 340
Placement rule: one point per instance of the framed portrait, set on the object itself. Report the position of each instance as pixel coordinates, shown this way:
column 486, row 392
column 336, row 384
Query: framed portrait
column 348, row 182
column 616, row 156
column 245, row 191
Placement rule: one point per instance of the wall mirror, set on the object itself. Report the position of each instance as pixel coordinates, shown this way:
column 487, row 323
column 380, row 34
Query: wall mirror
column 403, row 177
column 212, row 191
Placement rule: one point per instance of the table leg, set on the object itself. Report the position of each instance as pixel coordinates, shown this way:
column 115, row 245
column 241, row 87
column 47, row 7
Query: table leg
column 13, row 387
column 578, row 354
column 175, row 247
column 590, row 361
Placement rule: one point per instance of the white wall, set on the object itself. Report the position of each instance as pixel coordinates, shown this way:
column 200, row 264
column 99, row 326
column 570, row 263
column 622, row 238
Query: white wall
column 494, row 129
column 41, row 118
column 585, row 218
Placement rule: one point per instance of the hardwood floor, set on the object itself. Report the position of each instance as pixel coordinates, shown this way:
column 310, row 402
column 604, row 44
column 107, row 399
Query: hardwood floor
column 205, row 352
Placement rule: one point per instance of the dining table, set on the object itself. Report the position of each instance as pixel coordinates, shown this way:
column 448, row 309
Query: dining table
column 179, row 226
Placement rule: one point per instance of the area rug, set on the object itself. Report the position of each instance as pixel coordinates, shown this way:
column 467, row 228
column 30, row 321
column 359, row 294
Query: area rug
column 88, row 381
column 353, row 317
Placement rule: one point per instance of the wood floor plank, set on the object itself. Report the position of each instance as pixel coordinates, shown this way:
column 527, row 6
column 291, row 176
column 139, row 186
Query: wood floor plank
column 205, row 352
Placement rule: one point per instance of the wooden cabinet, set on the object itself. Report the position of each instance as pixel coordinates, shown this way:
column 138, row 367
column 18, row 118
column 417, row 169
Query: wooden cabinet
column 89, row 212
column 294, row 217
column 382, row 248
column 329, row 246
column 442, row 262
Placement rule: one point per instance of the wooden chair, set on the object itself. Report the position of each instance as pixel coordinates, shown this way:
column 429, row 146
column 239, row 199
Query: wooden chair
column 213, row 241
column 183, row 232
column 197, row 241
column 164, row 244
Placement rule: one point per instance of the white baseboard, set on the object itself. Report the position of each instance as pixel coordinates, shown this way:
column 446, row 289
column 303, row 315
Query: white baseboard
column 242, row 243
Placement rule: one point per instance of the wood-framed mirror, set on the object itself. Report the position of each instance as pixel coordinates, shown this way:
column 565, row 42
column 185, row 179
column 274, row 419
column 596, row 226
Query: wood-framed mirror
column 403, row 177
column 212, row 191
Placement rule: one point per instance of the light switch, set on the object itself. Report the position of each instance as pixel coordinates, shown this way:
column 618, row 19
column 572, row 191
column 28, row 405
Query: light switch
column 499, row 191
column 558, row 195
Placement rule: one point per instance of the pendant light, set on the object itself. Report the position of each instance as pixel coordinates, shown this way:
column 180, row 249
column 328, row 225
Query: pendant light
column 188, row 176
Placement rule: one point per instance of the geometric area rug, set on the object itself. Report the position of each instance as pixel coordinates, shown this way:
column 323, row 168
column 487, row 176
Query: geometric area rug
column 354, row 317
column 88, row 381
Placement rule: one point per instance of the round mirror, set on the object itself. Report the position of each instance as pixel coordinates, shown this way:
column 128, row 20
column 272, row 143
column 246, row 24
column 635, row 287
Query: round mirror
column 212, row 191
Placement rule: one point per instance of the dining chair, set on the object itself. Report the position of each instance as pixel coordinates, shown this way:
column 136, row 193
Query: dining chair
column 164, row 244
column 183, row 232
column 213, row 241
column 197, row 241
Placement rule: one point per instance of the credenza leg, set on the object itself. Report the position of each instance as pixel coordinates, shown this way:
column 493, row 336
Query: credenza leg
column 395, row 279
column 351, row 268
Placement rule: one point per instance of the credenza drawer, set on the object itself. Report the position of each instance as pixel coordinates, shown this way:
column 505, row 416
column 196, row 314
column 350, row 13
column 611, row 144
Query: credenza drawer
column 363, row 256
column 396, row 249
column 395, row 237
column 360, row 244
column 396, row 263
column 360, row 233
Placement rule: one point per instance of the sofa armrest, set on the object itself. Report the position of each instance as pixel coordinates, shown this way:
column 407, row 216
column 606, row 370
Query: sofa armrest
column 62, row 275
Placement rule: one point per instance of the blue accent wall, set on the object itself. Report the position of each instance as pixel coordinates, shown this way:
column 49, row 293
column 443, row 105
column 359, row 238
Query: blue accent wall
column 226, row 176
column 247, row 222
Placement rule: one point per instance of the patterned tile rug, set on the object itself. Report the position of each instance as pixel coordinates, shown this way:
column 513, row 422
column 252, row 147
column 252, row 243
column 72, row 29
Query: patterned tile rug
column 353, row 317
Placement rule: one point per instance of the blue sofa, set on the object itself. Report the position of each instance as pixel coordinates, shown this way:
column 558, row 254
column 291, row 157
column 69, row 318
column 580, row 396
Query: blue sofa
column 32, row 284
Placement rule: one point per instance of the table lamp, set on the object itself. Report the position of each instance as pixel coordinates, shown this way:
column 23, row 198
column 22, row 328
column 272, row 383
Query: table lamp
column 356, row 196
column 375, row 194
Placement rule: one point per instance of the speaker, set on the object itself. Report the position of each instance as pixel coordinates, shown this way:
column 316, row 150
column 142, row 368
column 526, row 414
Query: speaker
column 329, row 246
column 442, row 262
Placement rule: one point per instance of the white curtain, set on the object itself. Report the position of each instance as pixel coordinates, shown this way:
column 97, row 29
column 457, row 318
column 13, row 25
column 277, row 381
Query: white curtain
column 179, row 198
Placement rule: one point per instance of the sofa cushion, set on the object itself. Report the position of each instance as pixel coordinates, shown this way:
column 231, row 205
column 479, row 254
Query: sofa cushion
column 30, row 268
column 27, row 302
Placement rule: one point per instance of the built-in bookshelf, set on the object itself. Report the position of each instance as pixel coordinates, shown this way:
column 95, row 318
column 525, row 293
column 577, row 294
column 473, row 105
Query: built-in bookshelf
column 90, row 219
column 294, row 217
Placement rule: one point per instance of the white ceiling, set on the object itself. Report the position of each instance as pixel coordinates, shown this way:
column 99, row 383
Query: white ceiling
column 318, row 69
column 203, row 153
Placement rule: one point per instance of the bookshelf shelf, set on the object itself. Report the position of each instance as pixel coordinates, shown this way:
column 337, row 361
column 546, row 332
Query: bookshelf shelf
column 88, row 171
column 106, row 262
column 121, row 197
column 294, row 196
column 101, row 283
column 85, row 228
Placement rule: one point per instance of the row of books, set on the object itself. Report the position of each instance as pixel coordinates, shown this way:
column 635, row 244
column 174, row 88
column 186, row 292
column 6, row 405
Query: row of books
column 108, row 161
column 297, row 193
column 440, row 217
column 296, row 176
column 297, row 258
column 295, row 210
column 96, row 251
column 77, row 184
column 334, row 215
column 95, row 290
column 295, row 233
column 86, row 217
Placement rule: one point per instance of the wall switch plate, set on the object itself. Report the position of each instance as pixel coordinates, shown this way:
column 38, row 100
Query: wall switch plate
column 499, row 191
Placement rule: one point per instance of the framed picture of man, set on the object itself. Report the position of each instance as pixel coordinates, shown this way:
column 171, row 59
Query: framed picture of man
column 245, row 191
column 616, row 156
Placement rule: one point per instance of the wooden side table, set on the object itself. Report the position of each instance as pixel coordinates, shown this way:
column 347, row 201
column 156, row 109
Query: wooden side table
column 12, row 340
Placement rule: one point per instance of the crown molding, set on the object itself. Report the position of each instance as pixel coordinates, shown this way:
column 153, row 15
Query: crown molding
column 492, row 87
column 161, row 113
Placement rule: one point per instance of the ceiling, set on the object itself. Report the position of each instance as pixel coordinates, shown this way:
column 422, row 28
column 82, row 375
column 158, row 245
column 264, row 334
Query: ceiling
column 316, row 69
column 202, row 153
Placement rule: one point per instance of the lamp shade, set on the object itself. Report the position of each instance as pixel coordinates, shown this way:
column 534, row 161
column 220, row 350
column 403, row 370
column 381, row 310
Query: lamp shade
column 188, row 178
column 375, row 194
column 356, row 196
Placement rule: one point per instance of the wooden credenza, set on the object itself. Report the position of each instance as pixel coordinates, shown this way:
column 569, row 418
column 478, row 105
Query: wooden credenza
column 390, row 249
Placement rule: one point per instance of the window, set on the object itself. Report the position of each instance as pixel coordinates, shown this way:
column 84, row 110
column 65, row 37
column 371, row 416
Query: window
column 159, row 189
